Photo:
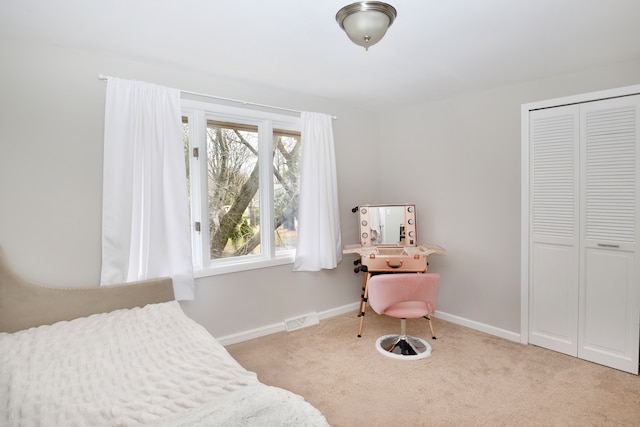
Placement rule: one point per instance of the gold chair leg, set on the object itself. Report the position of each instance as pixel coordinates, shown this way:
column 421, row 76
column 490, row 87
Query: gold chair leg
column 433, row 335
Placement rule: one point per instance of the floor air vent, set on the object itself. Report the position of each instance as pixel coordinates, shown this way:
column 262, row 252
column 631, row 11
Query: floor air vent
column 301, row 321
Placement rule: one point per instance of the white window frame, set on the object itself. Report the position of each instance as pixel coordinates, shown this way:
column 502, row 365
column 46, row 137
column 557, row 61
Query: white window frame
column 198, row 113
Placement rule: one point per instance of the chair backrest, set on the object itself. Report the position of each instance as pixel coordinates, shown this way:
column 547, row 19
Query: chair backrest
column 386, row 290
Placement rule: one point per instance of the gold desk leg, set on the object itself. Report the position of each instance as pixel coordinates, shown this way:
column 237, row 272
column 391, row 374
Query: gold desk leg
column 363, row 301
column 362, row 297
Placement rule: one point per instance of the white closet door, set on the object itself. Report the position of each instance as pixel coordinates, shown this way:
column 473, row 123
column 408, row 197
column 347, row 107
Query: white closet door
column 610, row 277
column 554, row 231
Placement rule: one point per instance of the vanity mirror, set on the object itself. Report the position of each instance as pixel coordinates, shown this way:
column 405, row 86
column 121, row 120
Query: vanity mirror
column 387, row 225
column 388, row 240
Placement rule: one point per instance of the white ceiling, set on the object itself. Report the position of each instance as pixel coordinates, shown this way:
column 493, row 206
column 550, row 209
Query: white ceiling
column 435, row 48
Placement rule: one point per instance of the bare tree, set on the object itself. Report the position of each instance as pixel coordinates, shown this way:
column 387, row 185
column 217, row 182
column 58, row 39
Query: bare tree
column 234, row 183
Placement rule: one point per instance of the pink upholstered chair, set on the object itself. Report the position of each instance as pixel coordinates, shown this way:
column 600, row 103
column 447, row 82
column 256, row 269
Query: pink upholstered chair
column 404, row 296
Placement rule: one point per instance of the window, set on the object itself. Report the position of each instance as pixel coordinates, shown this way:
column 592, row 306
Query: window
column 243, row 177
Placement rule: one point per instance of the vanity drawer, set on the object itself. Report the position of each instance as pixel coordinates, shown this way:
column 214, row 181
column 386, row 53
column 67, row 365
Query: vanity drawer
column 416, row 263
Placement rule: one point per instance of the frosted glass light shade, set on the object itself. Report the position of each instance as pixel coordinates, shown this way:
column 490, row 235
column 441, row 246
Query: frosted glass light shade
column 366, row 22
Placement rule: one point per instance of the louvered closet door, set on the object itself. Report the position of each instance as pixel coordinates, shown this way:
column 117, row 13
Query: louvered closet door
column 609, row 283
column 554, row 231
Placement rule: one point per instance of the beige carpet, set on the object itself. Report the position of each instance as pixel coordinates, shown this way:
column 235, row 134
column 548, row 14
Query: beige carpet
column 471, row 378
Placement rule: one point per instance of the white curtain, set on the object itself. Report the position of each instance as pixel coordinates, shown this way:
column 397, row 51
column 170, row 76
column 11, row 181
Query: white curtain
column 145, row 212
column 319, row 243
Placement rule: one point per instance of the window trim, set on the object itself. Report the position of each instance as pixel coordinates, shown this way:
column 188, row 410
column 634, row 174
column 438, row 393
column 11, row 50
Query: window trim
column 197, row 113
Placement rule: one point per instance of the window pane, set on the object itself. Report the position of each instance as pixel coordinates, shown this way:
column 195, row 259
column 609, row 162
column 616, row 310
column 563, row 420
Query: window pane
column 233, row 183
column 286, row 187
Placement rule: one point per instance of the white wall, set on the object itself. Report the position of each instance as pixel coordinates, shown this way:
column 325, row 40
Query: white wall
column 51, row 132
column 459, row 160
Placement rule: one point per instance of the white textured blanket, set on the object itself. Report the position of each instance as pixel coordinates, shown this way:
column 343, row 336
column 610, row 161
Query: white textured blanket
column 144, row 366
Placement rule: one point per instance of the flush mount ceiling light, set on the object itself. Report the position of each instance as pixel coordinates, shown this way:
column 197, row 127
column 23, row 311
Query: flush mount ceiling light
column 366, row 22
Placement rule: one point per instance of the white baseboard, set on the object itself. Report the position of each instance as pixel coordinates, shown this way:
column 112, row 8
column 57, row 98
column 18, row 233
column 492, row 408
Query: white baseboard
column 488, row 329
column 251, row 334
column 339, row 310
column 280, row 326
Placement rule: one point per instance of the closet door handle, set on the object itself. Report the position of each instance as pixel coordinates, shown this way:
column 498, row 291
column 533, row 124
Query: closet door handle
column 608, row 245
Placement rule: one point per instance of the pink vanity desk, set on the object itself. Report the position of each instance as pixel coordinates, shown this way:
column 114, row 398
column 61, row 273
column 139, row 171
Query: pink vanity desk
column 388, row 244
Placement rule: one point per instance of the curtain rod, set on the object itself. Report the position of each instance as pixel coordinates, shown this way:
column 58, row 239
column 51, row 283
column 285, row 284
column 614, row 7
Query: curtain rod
column 188, row 92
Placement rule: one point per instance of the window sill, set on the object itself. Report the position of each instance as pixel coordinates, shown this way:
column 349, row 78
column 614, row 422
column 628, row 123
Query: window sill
column 235, row 267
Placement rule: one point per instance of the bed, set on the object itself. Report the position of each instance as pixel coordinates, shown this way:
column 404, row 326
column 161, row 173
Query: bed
column 125, row 355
